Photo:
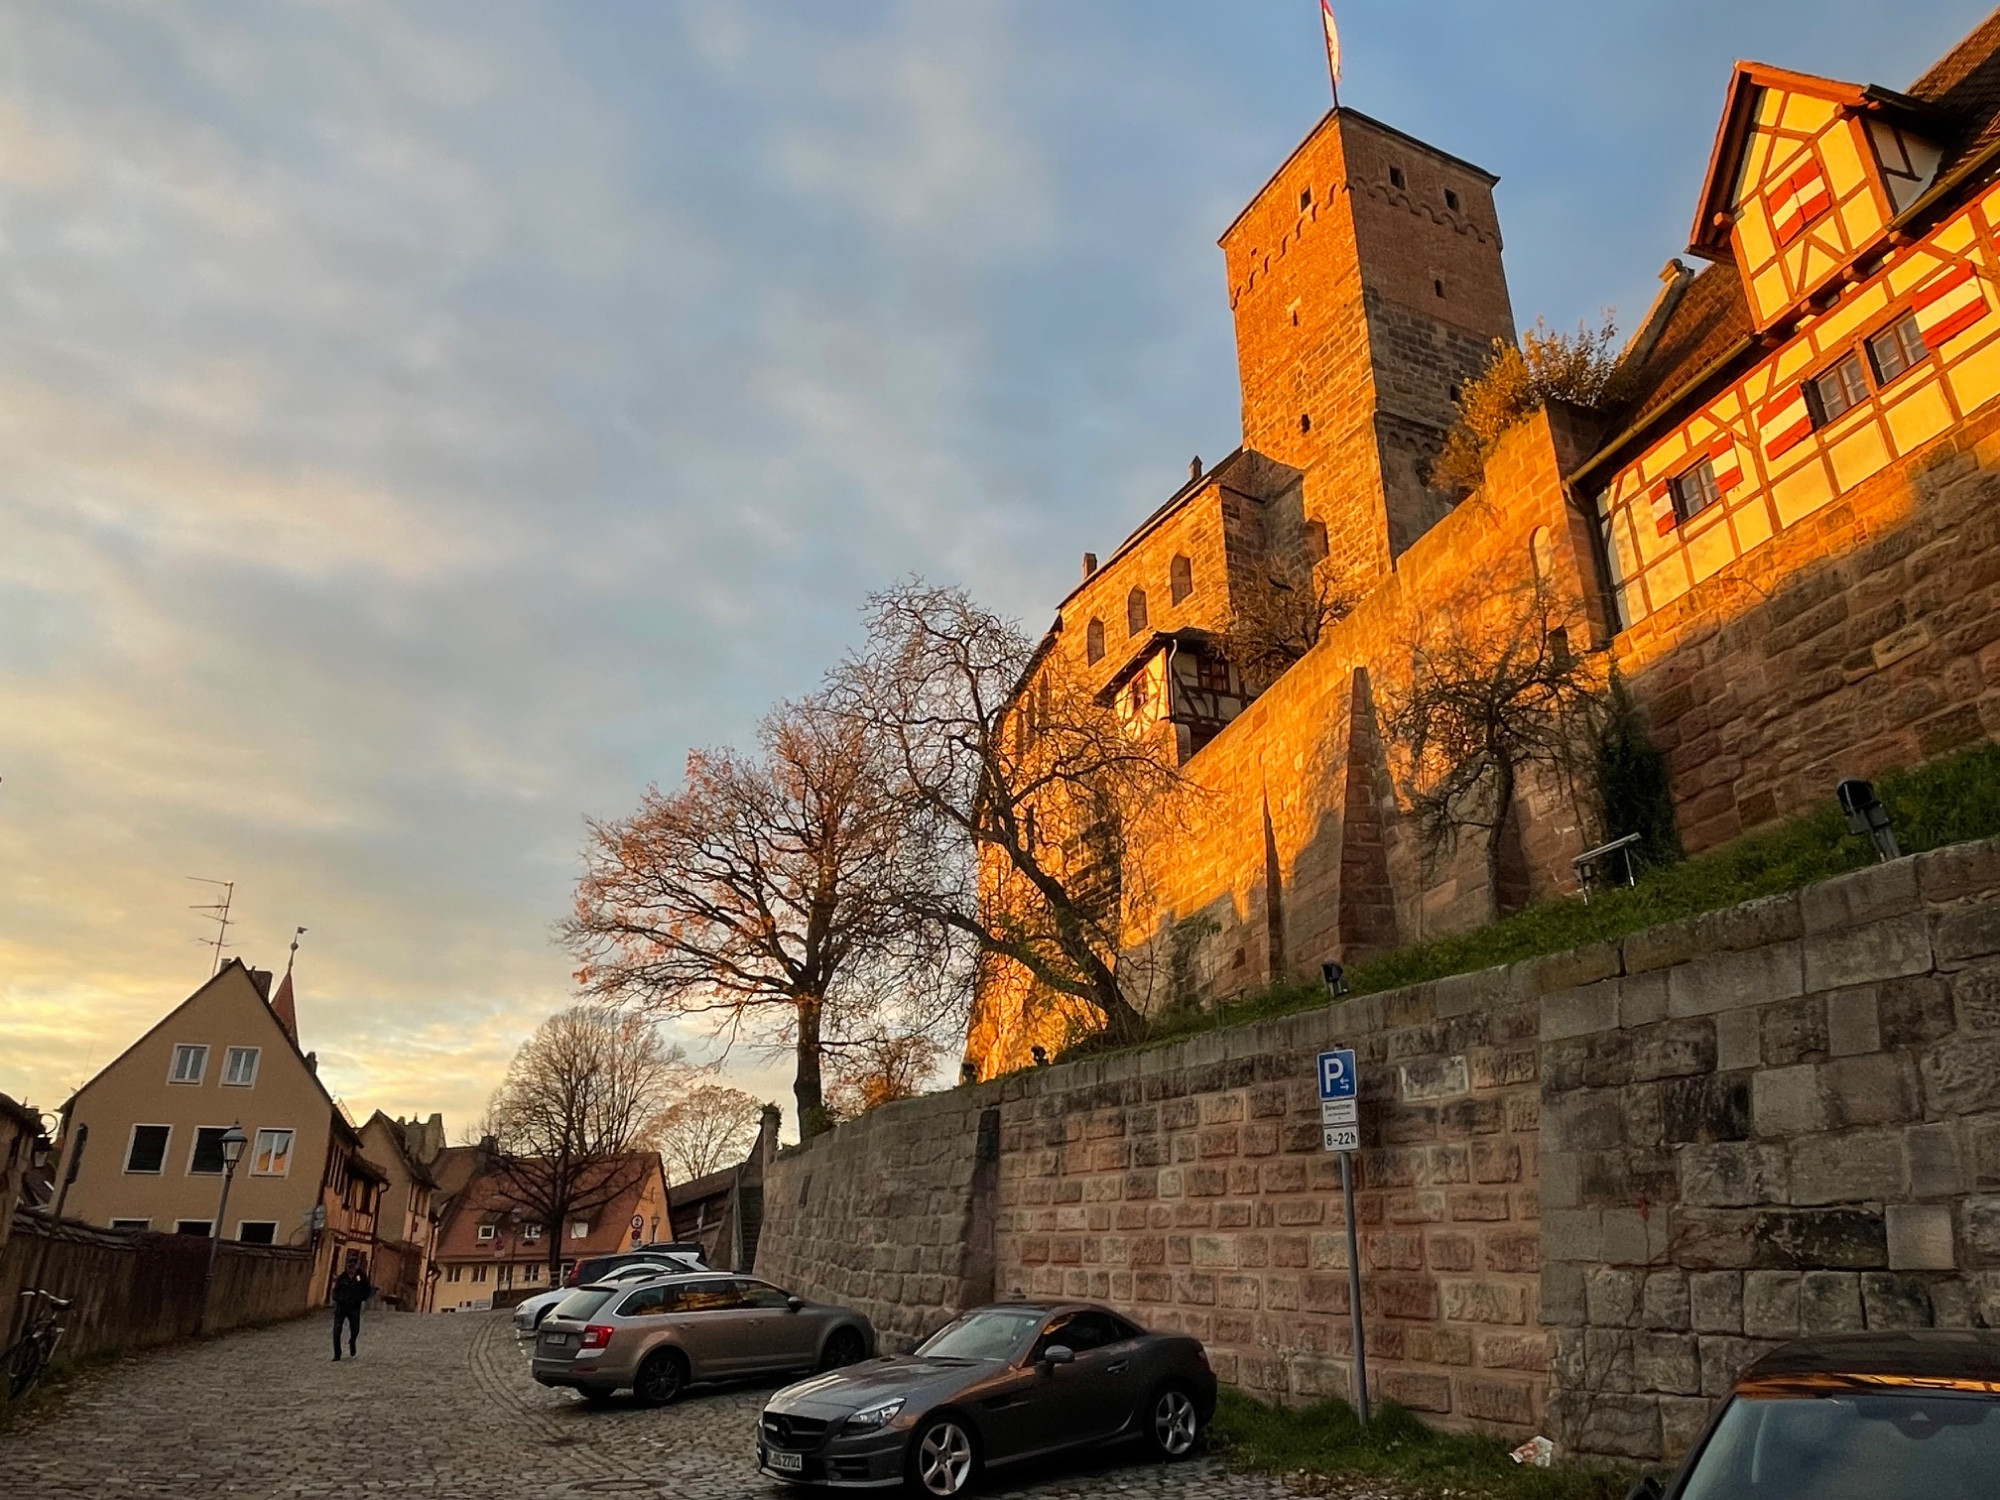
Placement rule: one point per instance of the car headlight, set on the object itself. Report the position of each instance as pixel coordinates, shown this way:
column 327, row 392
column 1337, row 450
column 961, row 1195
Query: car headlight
column 870, row 1417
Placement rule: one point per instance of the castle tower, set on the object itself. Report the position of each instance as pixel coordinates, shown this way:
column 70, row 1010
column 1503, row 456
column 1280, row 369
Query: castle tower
column 1367, row 286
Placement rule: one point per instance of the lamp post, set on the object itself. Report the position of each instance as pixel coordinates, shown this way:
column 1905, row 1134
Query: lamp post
column 233, row 1142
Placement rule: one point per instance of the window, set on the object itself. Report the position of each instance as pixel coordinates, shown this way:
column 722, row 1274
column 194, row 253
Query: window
column 1082, row 1332
column 1451, row 200
column 148, row 1149
column 1305, row 199
column 579, row 1229
column 485, row 1233
column 532, row 1271
column 1093, row 641
column 257, row 1232
column 131, row 1223
column 452, row 1273
column 194, row 1226
column 1896, row 348
column 1211, row 674
column 239, row 1066
column 1694, row 490
column 710, row 1296
column 531, row 1232
column 1180, row 578
column 1397, row 179
column 273, row 1157
column 763, row 1294
column 1135, row 611
column 190, row 1062
column 1838, row 391
column 205, row 1158
column 1438, row 287
column 648, row 1301
column 479, row 1273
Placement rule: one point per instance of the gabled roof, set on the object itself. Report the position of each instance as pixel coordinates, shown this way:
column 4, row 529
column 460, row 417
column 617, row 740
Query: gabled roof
column 416, row 1169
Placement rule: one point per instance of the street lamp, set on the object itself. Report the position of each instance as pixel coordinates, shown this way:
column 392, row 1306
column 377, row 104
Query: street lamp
column 233, row 1141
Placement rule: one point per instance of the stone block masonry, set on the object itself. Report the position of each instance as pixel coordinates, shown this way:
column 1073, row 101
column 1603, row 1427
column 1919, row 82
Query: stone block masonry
column 1592, row 1188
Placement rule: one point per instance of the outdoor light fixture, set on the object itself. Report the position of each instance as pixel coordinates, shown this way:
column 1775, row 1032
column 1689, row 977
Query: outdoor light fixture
column 1866, row 814
column 232, row 1143
column 1335, row 977
column 1040, row 1054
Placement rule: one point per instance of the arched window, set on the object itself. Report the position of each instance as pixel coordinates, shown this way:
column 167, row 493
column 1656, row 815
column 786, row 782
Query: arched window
column 1135, row 611
column 1316, row 548
column 1180, row 578
column 1093, row 641
column 1542, row 554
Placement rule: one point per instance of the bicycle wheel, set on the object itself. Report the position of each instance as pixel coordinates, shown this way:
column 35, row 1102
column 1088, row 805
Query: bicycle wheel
column 25, row 1362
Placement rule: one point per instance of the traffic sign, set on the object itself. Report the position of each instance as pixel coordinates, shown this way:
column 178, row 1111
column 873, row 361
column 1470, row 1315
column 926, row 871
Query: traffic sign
column 1341, row 1137
column 1339, row 1112
column 1337, row 1078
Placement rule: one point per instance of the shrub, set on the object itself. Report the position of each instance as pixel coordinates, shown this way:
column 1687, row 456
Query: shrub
column 1574, row 368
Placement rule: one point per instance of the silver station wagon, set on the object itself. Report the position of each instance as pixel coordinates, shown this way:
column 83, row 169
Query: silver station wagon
column 659, row 1337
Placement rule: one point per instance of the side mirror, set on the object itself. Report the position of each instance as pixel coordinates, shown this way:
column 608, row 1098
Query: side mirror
column 1057, row 1354
column 795, row 1303
column 1646, row 1489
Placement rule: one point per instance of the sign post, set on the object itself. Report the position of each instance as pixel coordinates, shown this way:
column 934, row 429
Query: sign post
column 1340, row 1130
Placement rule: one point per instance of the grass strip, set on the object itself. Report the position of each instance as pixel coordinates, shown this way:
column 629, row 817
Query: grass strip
column 1398, row 1449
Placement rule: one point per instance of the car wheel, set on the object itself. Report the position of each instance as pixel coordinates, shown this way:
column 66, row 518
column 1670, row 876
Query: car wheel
column 941, row 1459
column 844, row 1348
column 1173, row 1422
column 661, row 1379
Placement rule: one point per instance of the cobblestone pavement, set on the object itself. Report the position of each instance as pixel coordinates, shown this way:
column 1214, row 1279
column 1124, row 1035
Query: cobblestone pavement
column 440, row 1407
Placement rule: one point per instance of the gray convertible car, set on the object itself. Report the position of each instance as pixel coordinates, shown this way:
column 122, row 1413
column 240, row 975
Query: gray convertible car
column 1002, row 1383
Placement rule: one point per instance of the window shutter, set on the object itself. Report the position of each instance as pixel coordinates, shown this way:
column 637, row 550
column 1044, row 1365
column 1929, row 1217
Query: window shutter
column 1785, row 421
column 1728, row 466
column 1661, row 497
column 1948, row 304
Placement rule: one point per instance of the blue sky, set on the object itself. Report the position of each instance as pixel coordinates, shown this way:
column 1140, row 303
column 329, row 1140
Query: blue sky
column 424, row 422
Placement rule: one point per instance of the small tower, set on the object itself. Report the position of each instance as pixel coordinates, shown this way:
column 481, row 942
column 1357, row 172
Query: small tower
column 1367, row 287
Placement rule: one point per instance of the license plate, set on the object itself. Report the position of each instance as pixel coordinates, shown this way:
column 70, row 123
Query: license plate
column 559, row 1341
column 789, row 1463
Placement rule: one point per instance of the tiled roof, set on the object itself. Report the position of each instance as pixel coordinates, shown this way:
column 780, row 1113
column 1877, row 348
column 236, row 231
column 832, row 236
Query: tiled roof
column 1965, row 84
column 484, row 1200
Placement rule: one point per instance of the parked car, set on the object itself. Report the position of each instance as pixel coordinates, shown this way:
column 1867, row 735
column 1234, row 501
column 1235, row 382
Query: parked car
column 1853, row 1416
column 685, row 1252
column 529, row 1312
column 1002, row 1383
column 660, row 1337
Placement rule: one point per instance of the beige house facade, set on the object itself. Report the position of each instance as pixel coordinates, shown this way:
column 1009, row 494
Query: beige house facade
column 156, row 1115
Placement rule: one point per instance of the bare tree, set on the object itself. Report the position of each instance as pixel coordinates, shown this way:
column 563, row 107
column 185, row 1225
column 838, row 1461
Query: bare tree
column 1017, row 778
column 880, row 1070
column 1277, row 618
column 756, row 894
column 1495, row 690
column 707, row 1128
column 572, row 1120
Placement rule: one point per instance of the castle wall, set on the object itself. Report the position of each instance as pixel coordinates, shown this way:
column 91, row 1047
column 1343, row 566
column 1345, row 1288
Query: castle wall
column 1863, row 637
column 1593, row 1186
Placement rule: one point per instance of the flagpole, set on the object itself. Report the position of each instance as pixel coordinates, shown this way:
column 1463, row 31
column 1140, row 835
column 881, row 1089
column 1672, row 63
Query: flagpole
column 1332, row 54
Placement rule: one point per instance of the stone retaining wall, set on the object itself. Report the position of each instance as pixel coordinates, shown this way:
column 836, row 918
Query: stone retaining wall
column 1593, row 1186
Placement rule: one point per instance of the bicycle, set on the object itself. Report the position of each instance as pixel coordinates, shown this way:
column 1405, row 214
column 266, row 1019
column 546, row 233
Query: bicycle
column 29, row 1355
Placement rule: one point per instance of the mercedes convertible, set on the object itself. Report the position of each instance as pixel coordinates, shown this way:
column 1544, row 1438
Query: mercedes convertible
column 1000, row 1384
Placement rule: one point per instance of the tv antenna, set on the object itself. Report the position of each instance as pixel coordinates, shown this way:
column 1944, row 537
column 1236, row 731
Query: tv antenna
column 218, row 912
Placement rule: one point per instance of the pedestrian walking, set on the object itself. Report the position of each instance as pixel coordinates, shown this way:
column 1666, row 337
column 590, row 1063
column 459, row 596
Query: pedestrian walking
column 351, row 1290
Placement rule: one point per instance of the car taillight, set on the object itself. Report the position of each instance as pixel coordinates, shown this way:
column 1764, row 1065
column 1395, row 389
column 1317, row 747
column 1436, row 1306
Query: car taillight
column 597, row 1336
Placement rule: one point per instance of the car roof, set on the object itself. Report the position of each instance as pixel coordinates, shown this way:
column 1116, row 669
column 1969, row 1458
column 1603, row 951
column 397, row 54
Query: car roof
column 1051, row 1309
column 633, row 1283
column 1936, row 1358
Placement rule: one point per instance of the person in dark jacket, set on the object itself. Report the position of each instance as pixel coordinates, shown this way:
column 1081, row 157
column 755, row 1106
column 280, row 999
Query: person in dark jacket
column 351, row 1290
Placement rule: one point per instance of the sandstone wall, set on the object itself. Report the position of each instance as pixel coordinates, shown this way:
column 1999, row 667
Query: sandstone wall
column 1593, row 1186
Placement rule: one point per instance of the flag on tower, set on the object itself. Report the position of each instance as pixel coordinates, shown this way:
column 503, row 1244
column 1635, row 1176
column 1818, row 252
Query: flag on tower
column 1332, row 45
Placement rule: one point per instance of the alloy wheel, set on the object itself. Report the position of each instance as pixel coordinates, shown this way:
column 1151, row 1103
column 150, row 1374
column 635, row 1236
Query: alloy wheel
column 1176, row 1423
column 659, row 1380
column 944, row 1459
column 843, row 1349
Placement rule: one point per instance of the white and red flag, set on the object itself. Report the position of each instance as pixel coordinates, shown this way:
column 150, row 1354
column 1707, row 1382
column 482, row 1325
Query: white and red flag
column 1332, row 44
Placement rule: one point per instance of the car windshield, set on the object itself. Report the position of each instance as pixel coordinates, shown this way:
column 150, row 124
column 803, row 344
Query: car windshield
column 582, row 1302
column 990, row 1333
column 1923, row 1445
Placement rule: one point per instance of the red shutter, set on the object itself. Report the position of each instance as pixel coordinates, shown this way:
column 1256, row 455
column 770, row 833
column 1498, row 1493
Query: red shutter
column 1728, row 466
column 1785, row 421
column 1949, row 304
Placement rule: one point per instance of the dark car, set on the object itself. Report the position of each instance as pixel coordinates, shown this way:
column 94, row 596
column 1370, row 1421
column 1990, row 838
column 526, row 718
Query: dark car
column 1001, row 1383
column 598, row 1267
column 1854, row 1416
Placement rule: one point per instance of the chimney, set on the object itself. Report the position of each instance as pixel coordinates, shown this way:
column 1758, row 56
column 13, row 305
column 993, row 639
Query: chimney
column 1194, row 467
column 262, row 979
column 1089, row 563
column 312, row 1063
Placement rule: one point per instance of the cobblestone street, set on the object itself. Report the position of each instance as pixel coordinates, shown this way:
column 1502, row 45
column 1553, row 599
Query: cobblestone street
column 439, row 1407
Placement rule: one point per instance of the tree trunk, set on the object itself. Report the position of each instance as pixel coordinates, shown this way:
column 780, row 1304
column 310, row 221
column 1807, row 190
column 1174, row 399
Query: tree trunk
column 806, row 1089
column 1503, row 809
column 1121, row 1020
column 554, row 1232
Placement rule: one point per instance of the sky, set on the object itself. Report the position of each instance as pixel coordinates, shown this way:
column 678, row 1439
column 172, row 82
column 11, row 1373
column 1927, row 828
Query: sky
column 421, row 423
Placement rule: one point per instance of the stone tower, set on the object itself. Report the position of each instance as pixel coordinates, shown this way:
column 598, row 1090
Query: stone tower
column 1367, row 287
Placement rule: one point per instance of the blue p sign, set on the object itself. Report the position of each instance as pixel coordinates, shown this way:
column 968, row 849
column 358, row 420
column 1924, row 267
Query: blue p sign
column 1336, row 1074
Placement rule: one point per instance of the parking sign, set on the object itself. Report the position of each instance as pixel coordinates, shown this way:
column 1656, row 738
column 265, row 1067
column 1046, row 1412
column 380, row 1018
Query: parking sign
column 1339, row 1109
